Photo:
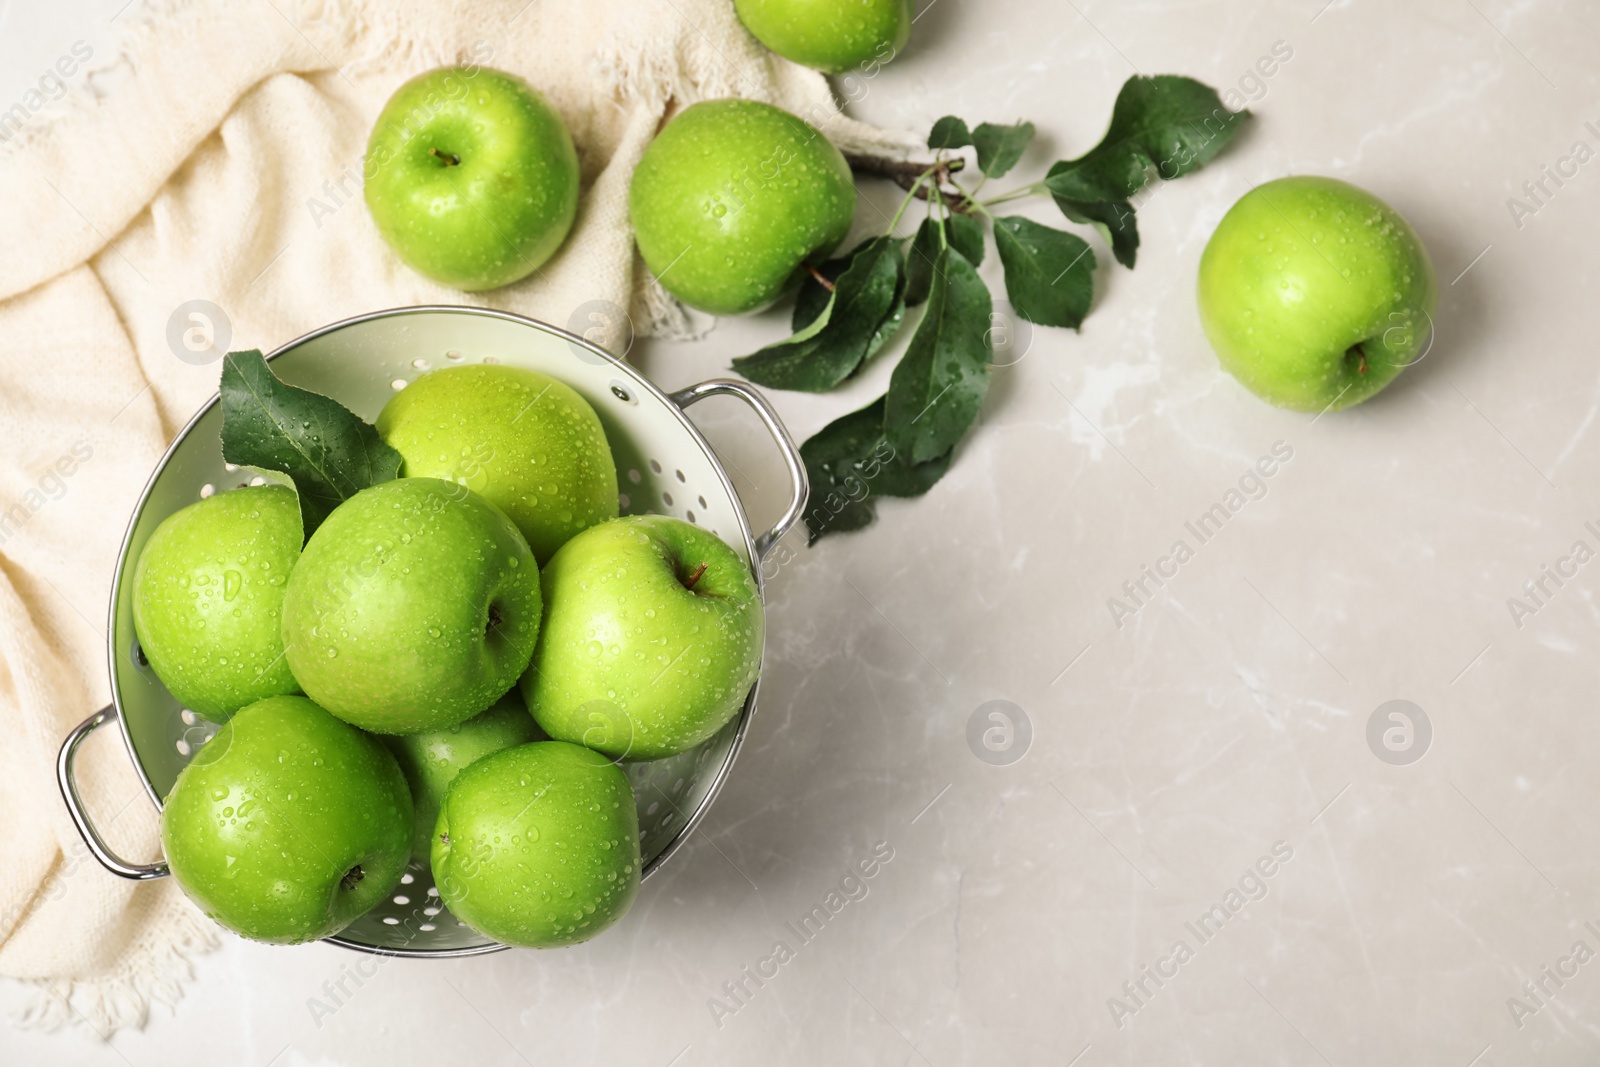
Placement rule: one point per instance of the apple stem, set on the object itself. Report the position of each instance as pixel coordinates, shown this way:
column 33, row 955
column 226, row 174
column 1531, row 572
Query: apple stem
column 352, row 878
column 907, row 174
column 1361, row 357
column 821, row 278
column 450, row 158
column 695, row 577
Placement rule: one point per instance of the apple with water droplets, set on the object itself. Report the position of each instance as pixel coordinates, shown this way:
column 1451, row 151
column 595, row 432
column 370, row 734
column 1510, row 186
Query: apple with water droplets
column 208, row 595
column 471, row 177
column 524, row 441
column 431, row 760
column 1316, row 294
column 538, row 845
column 651, row 638
column 833, row 36
column 289, row 824
column 732, row 198
column 414, row 606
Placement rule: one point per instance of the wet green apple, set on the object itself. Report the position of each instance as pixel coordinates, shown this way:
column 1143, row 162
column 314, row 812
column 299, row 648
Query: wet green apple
column 288, row 825
column 527, row 443
column 651, row 638
column 1315, row 294
column 830, row 35
column 732, row 197
column 208, row 597
column 471, row 177
column 414, row 606
column 538, row 845
column 431, row 760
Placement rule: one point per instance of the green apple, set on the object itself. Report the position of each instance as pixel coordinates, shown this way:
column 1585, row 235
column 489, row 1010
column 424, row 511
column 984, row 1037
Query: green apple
column 538, row 845
column 1315, row 294
column 471, row 177
column 651, row 638
column 208, row 597
column 732, row 198
column 432, row 760
column 288, row 824
column 415, row 606
column 526, row 442
column 830, row 35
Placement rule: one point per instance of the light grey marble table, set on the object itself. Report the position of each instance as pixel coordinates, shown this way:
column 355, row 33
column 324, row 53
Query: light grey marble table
column 1213, row 749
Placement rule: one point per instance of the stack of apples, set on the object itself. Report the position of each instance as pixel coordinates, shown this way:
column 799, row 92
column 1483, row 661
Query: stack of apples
column 449, row 670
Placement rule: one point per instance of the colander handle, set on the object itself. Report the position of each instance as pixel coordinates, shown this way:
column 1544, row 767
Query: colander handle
column 800, row 486
column 80, row 818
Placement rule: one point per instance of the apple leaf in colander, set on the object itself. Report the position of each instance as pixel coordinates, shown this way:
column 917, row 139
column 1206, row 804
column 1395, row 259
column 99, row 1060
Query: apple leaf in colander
column 325, row 448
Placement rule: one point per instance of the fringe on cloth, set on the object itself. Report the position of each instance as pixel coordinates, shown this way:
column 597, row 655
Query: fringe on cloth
column 156, row 970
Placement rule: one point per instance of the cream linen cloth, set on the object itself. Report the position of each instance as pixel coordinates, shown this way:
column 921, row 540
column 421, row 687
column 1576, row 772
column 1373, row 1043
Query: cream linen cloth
column 225, row 166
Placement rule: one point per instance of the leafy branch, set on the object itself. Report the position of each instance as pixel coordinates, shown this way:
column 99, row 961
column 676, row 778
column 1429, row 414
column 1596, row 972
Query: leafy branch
column 848, row 308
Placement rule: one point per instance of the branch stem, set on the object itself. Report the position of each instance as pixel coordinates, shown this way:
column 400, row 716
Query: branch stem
column 905, row 203
column 908, row 175
column 1017, row 194
column 971, row 200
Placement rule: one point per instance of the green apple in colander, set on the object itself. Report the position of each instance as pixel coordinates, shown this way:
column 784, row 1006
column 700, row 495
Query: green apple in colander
column 526, row 442
column 288, row 825
column 538, row 845
column 414, row 606
column 650, row 641
column 208, row 598
column 432, row 759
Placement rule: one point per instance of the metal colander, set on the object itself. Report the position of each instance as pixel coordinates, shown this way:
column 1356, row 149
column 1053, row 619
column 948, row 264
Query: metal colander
column 664, row 464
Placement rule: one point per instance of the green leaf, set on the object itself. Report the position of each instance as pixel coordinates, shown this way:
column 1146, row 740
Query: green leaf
column 850, row 462
column 1178, row 124
column 964, row 234
column 1001, row 147
column 890, row 325
column 1049, row 273
column 1167, row 124
column 939, row 384
column 324, row 448
column 1087, row 193
column 833, row 345
column 920, row 257
column 815, row 322
column 949, row 132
